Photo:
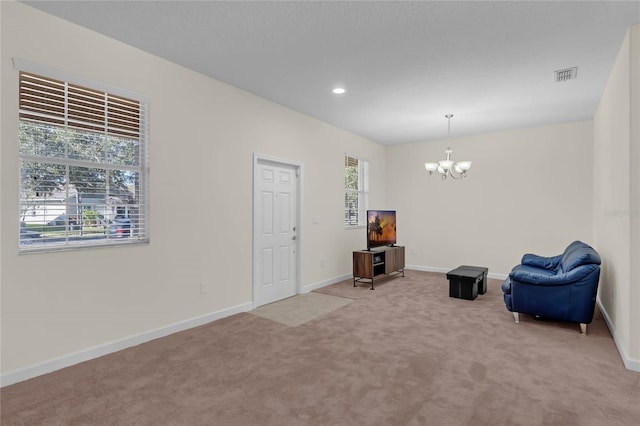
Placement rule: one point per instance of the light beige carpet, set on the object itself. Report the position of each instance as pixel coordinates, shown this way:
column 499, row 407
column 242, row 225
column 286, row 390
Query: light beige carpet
column 300, row 309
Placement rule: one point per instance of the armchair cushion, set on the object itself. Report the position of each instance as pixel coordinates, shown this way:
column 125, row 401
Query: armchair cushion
column 525, row 270
column 543, row 277
column 577, row 255
column 536, row 261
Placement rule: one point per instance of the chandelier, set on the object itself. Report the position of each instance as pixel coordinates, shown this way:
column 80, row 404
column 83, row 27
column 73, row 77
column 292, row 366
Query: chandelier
column 449, row 168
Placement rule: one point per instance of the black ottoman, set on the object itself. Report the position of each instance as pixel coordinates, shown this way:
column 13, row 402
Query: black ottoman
column 463, row 283
column 482, row 285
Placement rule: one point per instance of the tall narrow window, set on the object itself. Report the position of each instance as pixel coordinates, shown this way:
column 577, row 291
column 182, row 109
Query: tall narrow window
column 83, row 166
column 356, row 191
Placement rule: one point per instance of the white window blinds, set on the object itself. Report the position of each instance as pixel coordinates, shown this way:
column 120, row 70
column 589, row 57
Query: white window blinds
column 356, row 191
column 55, row 102
column 83, row 165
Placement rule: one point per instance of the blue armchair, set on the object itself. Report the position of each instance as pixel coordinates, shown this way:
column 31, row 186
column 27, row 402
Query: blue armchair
column 561, row 288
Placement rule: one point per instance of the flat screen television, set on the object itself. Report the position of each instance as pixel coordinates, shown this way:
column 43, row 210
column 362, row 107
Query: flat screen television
column 381, row 228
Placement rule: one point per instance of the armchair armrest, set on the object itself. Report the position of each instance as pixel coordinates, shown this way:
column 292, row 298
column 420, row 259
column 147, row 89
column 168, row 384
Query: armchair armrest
column 572, row 277
column 549, row 263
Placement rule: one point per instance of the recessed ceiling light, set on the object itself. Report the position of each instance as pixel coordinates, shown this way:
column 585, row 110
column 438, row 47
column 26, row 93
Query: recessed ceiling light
column 338, row 91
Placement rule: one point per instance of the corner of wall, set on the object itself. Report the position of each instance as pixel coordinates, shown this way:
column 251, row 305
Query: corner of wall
column 629, row 362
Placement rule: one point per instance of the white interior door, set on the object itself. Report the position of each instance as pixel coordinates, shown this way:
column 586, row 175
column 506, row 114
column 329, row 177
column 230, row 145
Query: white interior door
column 276, row 225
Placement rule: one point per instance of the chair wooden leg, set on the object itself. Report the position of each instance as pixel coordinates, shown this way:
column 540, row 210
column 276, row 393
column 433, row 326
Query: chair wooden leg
column 516, row 316
column 583, row 328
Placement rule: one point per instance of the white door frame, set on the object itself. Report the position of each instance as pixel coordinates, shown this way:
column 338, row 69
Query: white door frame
column 299, row 168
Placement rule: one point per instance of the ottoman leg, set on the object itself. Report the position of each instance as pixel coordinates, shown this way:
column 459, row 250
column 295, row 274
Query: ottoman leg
column 583, row 328
column 516, row 316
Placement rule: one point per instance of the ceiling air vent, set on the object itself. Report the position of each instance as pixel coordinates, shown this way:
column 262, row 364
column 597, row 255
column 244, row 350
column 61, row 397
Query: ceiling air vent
column 565, row 74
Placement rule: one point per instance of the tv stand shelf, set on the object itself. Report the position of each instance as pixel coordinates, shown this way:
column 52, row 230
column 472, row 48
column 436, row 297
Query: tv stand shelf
column 376, row 263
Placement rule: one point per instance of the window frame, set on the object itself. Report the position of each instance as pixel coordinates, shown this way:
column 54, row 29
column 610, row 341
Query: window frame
column 361, row 193
column 132, row 214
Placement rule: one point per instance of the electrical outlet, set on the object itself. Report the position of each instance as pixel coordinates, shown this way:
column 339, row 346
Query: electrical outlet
column 204, row 287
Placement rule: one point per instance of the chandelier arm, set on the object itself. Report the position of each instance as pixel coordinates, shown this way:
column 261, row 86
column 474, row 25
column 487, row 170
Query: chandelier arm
column 452, row 174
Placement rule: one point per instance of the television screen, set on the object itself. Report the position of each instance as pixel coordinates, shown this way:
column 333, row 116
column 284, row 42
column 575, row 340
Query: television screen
column 381, row 228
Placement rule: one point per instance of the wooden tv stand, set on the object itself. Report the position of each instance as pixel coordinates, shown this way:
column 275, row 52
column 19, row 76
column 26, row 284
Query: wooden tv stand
column 377, row 263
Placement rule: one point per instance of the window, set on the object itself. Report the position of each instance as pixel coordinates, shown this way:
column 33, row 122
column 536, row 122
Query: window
column 356, row 191
column 83, row 166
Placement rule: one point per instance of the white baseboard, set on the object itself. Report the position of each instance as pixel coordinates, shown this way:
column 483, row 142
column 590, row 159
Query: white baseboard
column 497, row 276
column 68, row 360
column 428, row 268
column 310, row 287
column 490, row 275
column 629, row 363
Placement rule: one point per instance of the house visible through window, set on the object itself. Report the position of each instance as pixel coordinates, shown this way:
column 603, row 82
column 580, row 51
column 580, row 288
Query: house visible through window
column 83, row 166
column 356, row 191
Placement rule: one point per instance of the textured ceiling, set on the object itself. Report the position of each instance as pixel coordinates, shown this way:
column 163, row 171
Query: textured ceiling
column 404, row 64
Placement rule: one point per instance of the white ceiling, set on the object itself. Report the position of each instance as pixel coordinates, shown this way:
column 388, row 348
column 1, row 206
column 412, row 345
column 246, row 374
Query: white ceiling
column 404, row 64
